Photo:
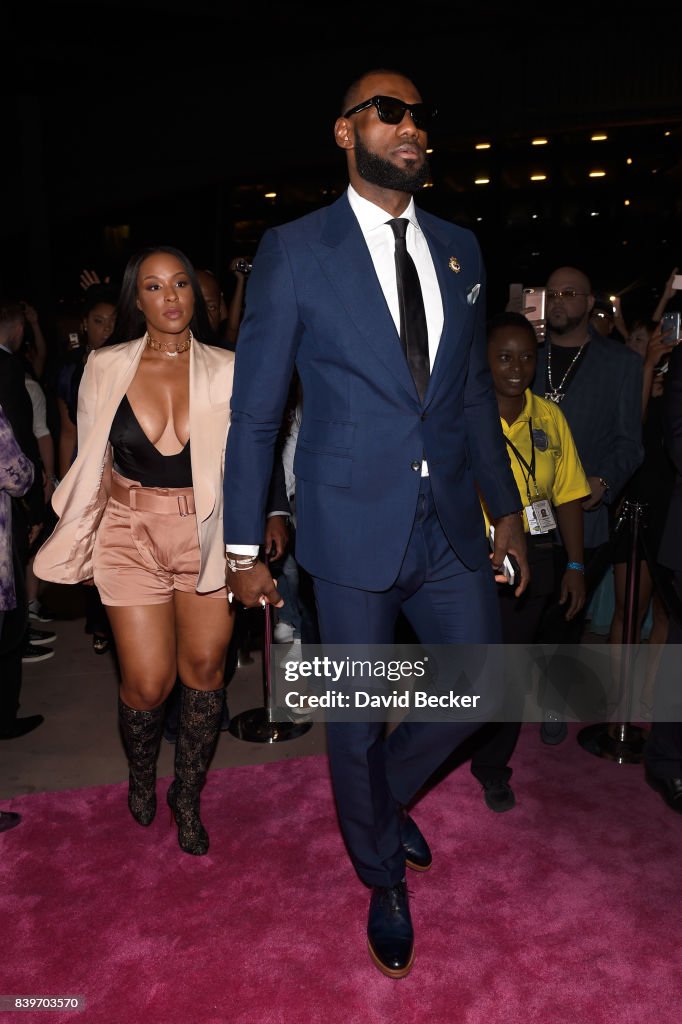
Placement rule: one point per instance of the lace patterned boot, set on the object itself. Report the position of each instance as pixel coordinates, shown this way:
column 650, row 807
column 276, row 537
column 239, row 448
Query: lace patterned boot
column 141, row 733
column 198, row 729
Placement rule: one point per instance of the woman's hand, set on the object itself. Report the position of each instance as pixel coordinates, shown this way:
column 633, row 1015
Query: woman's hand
column 573, row 591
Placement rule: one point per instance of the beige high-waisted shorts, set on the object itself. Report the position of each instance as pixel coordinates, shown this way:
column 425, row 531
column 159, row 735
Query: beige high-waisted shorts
column 147, row 545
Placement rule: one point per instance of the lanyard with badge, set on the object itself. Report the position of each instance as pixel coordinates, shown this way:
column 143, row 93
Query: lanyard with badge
column 539, row 512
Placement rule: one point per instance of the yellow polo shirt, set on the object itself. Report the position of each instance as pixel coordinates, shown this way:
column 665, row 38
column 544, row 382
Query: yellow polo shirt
column 558, row 471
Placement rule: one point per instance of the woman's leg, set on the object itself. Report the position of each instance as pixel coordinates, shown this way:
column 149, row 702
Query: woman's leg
column 204, row 627
column 145, row 644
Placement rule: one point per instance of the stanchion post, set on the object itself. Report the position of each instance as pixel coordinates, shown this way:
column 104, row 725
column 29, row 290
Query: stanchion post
column 256, row 725
column 621, row 741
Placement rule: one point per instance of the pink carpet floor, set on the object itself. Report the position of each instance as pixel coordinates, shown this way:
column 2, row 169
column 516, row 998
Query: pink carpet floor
column 565, row 910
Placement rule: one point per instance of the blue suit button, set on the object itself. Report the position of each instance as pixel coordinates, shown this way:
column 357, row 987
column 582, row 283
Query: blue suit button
column 415, row 465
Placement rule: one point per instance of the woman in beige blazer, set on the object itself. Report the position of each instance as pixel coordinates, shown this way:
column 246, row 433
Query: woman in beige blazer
column 140, row 512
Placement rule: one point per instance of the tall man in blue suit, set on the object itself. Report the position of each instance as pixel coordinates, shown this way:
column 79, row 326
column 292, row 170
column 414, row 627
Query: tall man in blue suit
column 392, row 446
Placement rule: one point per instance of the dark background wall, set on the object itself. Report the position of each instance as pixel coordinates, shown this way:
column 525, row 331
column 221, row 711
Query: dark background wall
column 128, row 123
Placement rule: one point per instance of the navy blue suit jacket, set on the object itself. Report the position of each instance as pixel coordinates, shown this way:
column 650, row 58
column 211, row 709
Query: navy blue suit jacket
column 314, row 300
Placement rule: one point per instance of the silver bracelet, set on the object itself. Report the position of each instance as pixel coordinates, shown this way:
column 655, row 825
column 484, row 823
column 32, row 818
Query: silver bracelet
column 241, row 564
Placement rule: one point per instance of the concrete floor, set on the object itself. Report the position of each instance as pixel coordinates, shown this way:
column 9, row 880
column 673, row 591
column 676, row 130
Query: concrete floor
column 76, row 690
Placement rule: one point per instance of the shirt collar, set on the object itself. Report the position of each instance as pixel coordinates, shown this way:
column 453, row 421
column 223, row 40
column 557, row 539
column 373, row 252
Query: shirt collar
column 526, row 413
column 370, row 216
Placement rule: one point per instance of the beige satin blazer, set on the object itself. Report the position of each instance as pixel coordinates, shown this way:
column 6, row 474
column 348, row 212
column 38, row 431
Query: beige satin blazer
column 81, row 497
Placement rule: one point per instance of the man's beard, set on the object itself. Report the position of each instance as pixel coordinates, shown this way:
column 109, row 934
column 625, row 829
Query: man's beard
column 383, row 173
column 567, row 324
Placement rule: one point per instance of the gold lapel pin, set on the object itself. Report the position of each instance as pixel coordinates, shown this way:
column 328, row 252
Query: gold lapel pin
column 454, row 264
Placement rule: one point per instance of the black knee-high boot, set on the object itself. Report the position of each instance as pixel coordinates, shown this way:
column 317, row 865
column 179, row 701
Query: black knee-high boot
column 141, row 733
column 198, row 728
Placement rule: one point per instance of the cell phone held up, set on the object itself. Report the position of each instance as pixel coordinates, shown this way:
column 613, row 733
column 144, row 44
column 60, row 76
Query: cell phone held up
column 671, row 327
column 533, row 308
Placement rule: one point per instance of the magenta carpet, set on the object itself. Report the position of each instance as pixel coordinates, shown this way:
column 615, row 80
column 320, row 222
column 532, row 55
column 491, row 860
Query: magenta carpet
column 565, row 910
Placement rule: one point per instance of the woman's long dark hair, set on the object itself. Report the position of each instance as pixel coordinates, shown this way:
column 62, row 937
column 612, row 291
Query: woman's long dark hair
column 130, row 321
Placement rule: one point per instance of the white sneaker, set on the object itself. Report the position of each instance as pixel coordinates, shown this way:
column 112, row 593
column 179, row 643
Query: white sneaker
column 292, row 653
column 283, row 633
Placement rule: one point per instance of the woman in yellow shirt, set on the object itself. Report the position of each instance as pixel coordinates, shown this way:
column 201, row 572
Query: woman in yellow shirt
column 552, row 485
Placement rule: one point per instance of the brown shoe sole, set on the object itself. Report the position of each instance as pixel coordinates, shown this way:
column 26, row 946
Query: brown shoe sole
column 387, row 970
column 418, row 867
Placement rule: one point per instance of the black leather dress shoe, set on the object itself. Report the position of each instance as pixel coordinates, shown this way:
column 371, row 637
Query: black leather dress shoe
column 670, row 790
column 389, row 930
column 8, row 819
column 417, row 852
column 20, row 726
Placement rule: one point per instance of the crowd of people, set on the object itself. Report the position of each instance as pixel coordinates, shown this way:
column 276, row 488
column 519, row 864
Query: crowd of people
column 337, row 442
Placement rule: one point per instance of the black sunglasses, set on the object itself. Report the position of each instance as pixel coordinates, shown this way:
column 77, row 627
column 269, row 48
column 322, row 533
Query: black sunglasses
column 392, row 111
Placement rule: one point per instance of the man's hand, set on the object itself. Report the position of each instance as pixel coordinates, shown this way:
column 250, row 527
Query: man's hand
column 252, row 587
column 276, row 537
column 510, row 539
column 598, row 491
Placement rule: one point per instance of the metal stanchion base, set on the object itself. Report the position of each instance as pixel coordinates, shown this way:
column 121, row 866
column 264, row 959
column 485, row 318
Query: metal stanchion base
column 615, row 742
column 255, row 727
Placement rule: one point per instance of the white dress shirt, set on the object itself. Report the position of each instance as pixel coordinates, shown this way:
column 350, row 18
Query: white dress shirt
column 380, row 241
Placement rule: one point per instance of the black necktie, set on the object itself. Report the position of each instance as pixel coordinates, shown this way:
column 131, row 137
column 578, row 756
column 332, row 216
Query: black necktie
column 414, row 335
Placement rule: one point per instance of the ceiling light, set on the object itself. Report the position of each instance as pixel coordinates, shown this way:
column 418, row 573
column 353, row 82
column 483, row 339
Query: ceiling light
column 626, row 202
column 481, row 181
column 270, row 195
column 594, row 213
column 539, row 142
column 599, row 137
column 629, row 160
column 597, row 174
column 482, row 145
column 538, row 177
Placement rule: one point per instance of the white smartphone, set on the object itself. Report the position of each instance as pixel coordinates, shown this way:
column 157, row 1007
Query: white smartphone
column 507, row 567
column 534, row 304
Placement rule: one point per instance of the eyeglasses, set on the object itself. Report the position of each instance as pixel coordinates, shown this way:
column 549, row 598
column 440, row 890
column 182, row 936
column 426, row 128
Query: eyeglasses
column 565, row 293
column 392, row 111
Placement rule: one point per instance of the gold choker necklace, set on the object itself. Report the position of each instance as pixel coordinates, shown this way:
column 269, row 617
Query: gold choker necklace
column 160, row 347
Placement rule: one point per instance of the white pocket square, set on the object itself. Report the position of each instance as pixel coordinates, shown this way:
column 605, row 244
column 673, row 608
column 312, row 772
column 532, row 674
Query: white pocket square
column 472, row 294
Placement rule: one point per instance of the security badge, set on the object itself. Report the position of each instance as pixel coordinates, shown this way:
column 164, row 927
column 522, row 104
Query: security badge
column 540, row 517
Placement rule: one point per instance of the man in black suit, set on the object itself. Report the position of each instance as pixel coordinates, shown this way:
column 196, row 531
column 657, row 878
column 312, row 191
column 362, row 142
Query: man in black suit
column 597, row 382
column 663, row 751
column 27, row 518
